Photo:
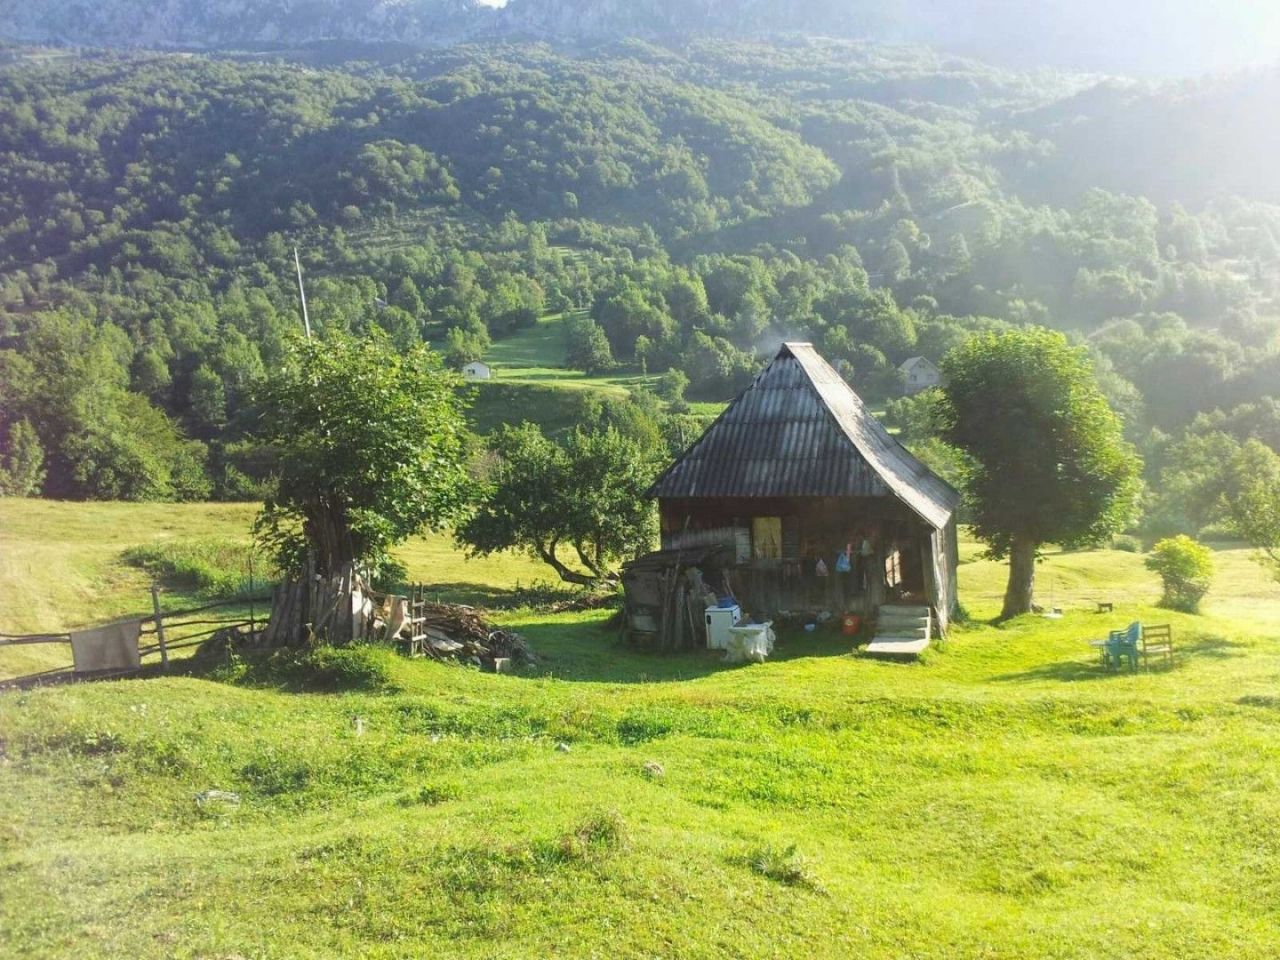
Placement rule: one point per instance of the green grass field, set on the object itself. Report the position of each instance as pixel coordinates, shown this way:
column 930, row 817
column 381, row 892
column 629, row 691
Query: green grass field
column 536, row 356
column 1002, row 798
column 529, row 382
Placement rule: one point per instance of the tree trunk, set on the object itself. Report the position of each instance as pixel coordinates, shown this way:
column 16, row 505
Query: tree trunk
column 1018, row 596
column 548, row 554
column 328, row 532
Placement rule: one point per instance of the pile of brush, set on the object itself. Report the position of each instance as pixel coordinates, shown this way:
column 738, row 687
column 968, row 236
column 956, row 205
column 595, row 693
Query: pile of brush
column 452, row 632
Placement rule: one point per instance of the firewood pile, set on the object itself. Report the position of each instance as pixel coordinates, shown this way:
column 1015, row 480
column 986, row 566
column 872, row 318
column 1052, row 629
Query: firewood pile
column 452, row 632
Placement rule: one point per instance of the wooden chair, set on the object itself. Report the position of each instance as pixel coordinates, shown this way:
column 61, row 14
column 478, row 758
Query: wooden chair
column 1157, row 641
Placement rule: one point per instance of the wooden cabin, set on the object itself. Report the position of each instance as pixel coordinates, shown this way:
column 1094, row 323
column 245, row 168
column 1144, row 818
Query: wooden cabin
column 815, row 506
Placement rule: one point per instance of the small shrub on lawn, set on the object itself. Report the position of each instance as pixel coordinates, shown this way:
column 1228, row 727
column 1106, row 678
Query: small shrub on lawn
column 1186, row 568
column 785, row 865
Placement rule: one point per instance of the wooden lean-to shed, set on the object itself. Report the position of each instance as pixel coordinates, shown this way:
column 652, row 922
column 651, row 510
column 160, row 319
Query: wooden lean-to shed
column 816, row 506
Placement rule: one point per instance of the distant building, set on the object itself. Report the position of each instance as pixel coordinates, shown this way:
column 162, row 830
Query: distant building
column 477, row 370
column 919, row 374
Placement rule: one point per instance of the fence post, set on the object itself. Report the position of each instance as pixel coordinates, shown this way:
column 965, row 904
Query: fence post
column 252, row 619
column 155, row 605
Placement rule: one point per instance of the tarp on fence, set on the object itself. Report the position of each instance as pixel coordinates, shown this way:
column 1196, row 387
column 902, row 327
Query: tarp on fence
column 111, row 647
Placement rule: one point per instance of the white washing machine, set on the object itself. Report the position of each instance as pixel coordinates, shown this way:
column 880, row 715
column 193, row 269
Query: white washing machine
column 719, row 620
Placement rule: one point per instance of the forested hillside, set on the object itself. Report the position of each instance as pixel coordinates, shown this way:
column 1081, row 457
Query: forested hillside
column 684, row 207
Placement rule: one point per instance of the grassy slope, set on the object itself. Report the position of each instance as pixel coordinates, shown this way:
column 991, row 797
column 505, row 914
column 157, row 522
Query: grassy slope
column 536, row 356
column 1002, row 799
column 529, row 383
column 61, row 567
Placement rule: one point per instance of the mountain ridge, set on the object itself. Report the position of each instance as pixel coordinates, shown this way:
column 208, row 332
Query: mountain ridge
column 1145, row 37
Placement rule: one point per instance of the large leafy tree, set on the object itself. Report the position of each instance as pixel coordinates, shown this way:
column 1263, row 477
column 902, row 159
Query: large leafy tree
column 581, row 503
column 1049, row 462
column 370, row 446
column 1252, row 500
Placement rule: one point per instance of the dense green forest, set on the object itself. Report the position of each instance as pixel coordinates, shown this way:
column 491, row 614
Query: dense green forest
column 684, row 207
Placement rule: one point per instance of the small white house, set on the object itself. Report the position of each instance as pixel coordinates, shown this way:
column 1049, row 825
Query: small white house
column 477, row 370
column 919, row 374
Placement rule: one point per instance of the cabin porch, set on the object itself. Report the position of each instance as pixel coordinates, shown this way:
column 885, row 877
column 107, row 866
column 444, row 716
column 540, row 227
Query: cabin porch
column 808, row 555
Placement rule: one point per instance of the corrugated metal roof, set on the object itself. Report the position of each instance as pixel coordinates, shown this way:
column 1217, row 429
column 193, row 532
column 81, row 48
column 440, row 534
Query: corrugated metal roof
column 800, row 431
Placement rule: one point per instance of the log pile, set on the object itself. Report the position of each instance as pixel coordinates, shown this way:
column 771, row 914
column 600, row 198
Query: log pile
column 452, row 632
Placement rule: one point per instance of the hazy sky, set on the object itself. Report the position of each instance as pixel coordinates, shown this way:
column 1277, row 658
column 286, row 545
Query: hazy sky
column 1155, row 37
column 1161, row 36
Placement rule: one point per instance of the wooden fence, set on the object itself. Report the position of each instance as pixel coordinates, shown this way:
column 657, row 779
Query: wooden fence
column 159, row 634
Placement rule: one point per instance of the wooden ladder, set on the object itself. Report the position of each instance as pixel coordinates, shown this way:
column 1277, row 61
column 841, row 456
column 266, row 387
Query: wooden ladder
column 417, row 620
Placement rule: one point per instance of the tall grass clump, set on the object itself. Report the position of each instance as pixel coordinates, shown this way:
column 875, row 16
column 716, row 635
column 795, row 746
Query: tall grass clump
column 210, row 567
column 785, row 865
column 594, row 838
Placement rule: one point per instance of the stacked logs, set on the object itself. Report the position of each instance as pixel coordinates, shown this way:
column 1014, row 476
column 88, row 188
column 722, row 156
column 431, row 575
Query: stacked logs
column 336, row 609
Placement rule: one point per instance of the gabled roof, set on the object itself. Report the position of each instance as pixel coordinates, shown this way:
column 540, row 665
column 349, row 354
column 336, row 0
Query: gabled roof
column 800, row 431
column 906, row 365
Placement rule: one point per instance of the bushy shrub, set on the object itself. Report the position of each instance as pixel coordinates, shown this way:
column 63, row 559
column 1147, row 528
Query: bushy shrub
column 1186, row 568
column 1126, row 543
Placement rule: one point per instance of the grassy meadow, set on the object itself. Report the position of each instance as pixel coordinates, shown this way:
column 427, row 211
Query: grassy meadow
column 1002, row 798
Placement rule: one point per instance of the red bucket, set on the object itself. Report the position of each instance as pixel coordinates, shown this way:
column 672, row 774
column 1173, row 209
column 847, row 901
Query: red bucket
column 850, row 624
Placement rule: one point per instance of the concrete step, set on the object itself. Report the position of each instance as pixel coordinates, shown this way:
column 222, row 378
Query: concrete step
column 915, row 609
column 904, row 620
column 902, row 635
column 898, row 646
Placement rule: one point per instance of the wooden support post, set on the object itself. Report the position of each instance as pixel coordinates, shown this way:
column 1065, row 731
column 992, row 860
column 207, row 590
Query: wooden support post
column 164, row 651
column 252, row 624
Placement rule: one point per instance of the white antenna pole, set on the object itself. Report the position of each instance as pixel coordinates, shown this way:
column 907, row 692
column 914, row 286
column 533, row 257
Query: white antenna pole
column 306, row 319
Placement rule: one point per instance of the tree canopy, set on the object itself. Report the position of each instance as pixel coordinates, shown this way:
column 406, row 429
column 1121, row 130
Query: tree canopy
column 585, row 496
column 1048, row 462
column 370, row 449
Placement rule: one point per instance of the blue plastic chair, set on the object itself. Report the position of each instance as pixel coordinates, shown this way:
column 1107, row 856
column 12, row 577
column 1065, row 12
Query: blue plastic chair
column 1123, row 644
